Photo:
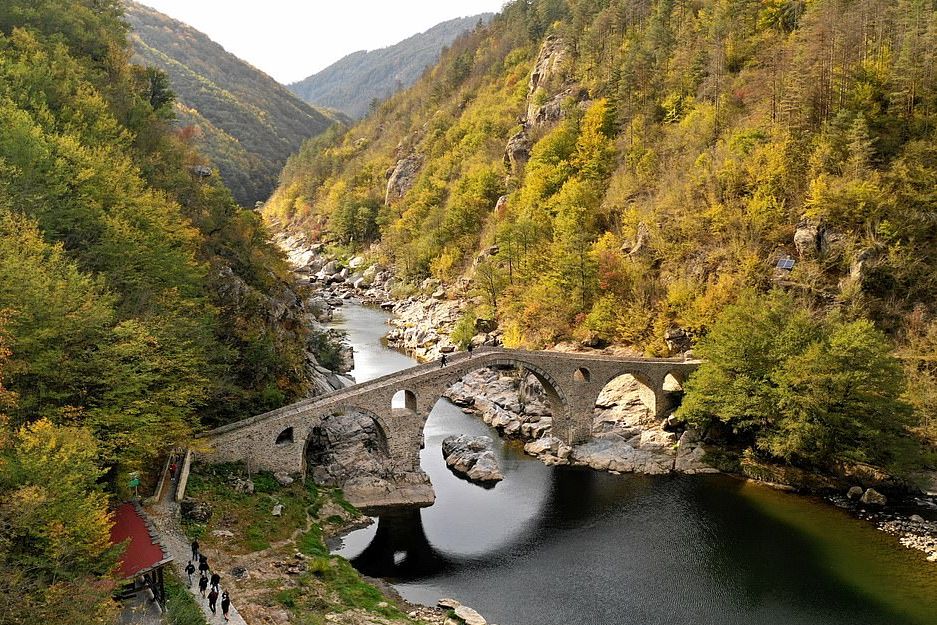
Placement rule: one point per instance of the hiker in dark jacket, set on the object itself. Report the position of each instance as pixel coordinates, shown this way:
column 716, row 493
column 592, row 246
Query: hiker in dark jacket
column 189, row 570
column 202, row 585
column 195, row 550
column 215, row 580
column 203, row 565
column 212, row 601
column 225, row 604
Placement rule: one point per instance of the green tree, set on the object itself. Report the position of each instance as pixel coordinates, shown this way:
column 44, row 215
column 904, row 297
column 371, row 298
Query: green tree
column 800, row 389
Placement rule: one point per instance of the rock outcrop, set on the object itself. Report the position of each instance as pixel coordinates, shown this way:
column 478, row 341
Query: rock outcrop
column 348, row 451
column 517, row 151
column 402, row 177
column 548, row 77
column 472, row 457
column 811, row 240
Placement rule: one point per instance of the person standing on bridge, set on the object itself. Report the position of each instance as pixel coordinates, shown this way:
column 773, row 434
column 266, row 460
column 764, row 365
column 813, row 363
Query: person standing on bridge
column 442, row 361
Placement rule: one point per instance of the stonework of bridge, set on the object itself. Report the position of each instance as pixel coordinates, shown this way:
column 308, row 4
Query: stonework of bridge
column 278, row 440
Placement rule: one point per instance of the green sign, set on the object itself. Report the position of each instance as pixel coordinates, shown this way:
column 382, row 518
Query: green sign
column 134, row 480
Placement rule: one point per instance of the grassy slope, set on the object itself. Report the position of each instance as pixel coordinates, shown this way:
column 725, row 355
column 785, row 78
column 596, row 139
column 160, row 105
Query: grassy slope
column 328, row 584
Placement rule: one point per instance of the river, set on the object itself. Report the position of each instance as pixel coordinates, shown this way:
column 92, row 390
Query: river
column 565, row 546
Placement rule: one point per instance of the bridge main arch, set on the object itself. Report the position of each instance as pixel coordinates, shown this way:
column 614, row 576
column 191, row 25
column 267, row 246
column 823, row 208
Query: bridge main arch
column 430, row 392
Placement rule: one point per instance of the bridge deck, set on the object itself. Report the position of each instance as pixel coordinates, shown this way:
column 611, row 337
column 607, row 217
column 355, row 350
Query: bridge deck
column 427, row 369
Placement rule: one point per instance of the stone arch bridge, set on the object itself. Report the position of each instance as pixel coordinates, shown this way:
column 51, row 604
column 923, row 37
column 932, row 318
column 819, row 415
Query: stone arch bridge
column 278, row 440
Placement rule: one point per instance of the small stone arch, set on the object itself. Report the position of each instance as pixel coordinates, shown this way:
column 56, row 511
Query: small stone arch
column 615, row 401
column 675, row 381
column 285, row 437
column 582, row 375
column 404, row 398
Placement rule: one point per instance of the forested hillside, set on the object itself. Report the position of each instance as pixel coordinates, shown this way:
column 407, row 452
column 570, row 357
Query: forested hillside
column 625, row 170
column 353, row 83
column 137, row 301
column 245, row 122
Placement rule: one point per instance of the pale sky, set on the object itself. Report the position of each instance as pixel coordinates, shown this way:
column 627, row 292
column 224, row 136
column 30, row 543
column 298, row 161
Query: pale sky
column 291, row 39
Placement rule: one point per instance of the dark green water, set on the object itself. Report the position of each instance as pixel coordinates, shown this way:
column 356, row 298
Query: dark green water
column 560, row 546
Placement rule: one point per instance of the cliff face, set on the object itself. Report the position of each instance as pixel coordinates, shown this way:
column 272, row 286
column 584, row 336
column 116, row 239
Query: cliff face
column 352, row 83
column 248, row 123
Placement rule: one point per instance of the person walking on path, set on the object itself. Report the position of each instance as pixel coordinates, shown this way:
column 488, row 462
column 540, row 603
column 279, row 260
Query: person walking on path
column 189, row 570
column 215, row 580
column 225, row 604
column 195, row 547
column 442, row 361
column 213, row 601
column 202, row 585
column 470, row 347
column 172, row 472
column 203, row 565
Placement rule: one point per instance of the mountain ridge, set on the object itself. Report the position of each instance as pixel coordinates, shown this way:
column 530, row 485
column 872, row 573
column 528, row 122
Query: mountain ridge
column 249, row 123
column 353, row 82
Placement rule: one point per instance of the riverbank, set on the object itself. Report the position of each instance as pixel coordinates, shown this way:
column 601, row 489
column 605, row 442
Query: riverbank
column 266, row 537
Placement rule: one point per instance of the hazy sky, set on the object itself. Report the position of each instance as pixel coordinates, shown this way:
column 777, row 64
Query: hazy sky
column 291, row 39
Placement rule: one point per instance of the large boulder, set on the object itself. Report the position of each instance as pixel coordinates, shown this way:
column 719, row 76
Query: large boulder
column 872, row 497
column 469, row 616
column 473, row 457
column 811, row 240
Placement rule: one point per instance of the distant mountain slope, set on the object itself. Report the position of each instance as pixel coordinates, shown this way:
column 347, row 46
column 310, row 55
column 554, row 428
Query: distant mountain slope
column 352, row 83
column 249, row 123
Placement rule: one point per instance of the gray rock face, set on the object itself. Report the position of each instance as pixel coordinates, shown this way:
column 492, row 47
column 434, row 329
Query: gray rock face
column 855, row 492
column 346, row 447
column 402, row 178
column 349, row 451
column 548, row 73
column 473, row 457
column 517, row 151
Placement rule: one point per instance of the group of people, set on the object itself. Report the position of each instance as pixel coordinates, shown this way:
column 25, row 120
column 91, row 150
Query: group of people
column 205, row 582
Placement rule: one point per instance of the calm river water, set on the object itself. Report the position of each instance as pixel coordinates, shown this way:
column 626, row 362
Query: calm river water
column 562, row 546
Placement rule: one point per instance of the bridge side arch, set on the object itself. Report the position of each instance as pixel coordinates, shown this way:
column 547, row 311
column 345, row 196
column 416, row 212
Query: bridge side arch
column 650, row 388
